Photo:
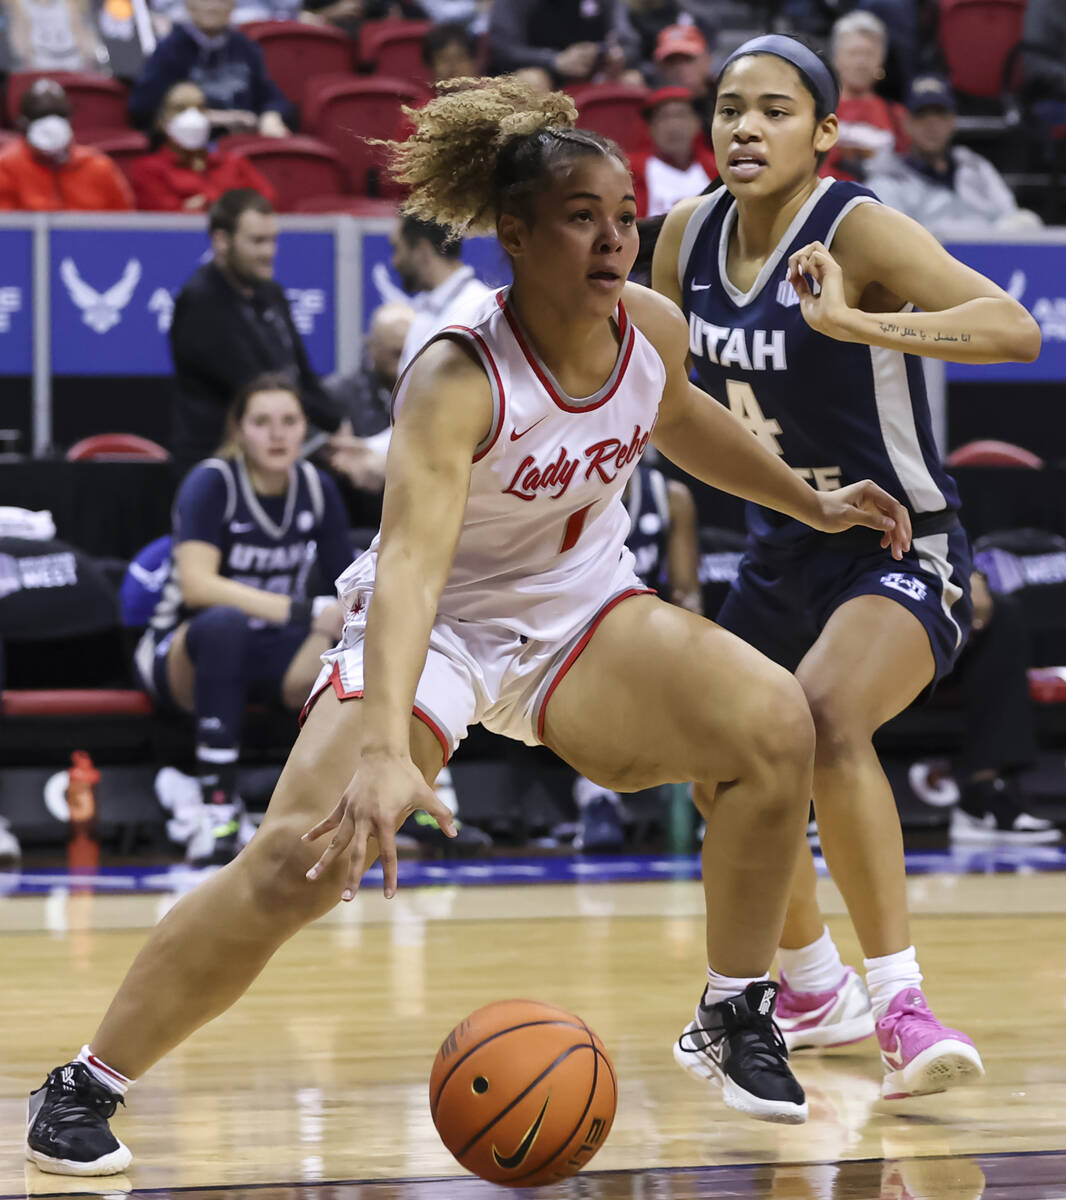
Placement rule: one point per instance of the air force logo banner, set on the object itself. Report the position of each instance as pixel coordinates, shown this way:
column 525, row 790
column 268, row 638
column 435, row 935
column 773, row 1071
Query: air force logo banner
column 113, row 292
column 100, row 310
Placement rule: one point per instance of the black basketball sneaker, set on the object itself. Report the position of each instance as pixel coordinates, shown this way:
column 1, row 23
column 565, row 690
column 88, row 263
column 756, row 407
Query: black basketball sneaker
column 67, row 1133
column 736, row 1045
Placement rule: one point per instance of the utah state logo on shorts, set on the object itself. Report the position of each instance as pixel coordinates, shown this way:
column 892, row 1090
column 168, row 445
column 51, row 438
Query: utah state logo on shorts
column 907, row 584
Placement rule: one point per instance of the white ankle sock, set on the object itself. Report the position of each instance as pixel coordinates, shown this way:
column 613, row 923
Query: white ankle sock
column 721, row 987
column 102, row 1073
column 887, row 976
column 813, row 968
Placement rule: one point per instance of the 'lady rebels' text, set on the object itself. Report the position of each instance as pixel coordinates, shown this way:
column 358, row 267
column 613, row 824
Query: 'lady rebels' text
column 600, row 456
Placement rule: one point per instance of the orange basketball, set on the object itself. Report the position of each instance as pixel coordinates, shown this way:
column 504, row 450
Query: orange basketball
column 522, row 1093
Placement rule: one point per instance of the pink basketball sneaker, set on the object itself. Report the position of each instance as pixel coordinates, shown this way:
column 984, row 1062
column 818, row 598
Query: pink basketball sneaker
column 820, row 1019
column 920, row 1054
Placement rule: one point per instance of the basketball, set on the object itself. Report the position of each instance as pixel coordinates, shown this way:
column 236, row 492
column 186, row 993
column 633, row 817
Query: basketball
column 522, row 1093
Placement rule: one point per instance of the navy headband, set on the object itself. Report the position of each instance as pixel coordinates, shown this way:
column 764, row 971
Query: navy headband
column 809, row 65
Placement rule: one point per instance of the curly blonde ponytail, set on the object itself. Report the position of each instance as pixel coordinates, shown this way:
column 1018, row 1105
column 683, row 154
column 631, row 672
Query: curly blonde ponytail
column 481, row 147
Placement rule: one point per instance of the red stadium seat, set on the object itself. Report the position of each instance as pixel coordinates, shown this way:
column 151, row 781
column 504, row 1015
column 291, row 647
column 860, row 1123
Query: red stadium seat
column 615, row 112
column 298, row 167
column 992, row 453
column 352, row 206
column 96, row 101
column 122, row 145
column 75, row 702
column 115, row 447
column 344, row 113
column 296, row 53
column 394, row 48
column 978, row 38
column 1047, row 685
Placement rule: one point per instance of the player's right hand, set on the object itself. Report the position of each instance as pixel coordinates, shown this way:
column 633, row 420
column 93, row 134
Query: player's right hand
column 383, row 793
column 865, row 503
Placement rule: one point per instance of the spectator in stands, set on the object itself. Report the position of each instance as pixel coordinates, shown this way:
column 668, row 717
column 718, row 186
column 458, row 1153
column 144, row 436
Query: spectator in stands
column 365, row 396
column 1044, row 58
column 449, row 51
column 576, row 41
column 900, row 18
column 680, row 164
column 185, row 174
column 52, row 35
column 45, row 170
column 471, row 14
column 949, row 189
column 168, row 13
column 235, row 618
column 682, row 59
column 870, row 127
column 365, row 399
column 429, row 263
column 227, row 66
column 231, row 323
column 650, row 17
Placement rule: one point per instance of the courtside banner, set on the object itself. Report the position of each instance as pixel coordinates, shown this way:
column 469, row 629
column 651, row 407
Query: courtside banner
column 113, row 291
column 1034, row 273
column 16, row 301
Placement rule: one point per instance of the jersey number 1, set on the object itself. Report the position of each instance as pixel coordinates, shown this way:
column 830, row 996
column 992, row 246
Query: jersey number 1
column 574, row 525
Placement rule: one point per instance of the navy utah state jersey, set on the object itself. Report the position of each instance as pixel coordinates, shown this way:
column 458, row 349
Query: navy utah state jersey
column 268, row 542
column 648, row 504
column 837, row 412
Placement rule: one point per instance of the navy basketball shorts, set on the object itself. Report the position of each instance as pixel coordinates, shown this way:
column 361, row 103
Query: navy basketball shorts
column 782, row 598
column 270, row 651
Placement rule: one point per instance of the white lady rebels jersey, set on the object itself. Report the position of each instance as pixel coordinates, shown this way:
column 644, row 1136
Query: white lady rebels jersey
column 543, row 539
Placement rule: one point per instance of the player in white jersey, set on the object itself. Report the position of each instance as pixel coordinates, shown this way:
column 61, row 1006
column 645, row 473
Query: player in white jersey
column 500, row 591
column 801, row 295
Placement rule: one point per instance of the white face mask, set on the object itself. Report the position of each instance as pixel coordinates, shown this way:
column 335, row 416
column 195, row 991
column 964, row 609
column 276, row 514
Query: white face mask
column 50, row 135
column 189, row 128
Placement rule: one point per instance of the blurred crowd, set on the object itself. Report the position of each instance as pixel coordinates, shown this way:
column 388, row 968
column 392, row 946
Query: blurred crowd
column 162, row 105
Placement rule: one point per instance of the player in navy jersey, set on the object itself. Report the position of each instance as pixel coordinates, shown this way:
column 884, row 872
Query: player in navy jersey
column 801, row 296
column 499, row 591
column 252, row 529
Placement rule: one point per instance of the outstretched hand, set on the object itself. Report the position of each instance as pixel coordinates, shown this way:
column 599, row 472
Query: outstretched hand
column 867, row 504
column 383, row 793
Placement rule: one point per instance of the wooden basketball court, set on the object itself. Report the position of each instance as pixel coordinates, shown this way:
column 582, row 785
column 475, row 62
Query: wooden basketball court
column 315, row 1085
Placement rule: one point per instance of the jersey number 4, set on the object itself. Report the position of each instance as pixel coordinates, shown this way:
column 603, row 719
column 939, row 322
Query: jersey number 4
column 744, row 406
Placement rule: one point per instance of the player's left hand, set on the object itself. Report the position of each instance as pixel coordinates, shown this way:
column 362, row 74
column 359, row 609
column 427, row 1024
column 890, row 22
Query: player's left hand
column 826, row 311
column 866, row 504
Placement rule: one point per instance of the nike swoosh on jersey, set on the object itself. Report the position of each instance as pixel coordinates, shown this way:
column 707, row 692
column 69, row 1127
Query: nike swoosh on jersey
column 241, row 526
column 525, row 1145
column 700, row 287
column 515, row 435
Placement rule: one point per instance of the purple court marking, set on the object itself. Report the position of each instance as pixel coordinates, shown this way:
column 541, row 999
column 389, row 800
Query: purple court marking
column 1028, row 1176
column 621, row 868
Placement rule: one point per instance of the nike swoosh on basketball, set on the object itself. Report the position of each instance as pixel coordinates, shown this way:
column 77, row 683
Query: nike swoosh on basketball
column 515, row 435
column 525, row 1145
column 700, row 287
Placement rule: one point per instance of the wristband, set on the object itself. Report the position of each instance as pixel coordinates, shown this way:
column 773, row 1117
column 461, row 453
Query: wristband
column 299, row 613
